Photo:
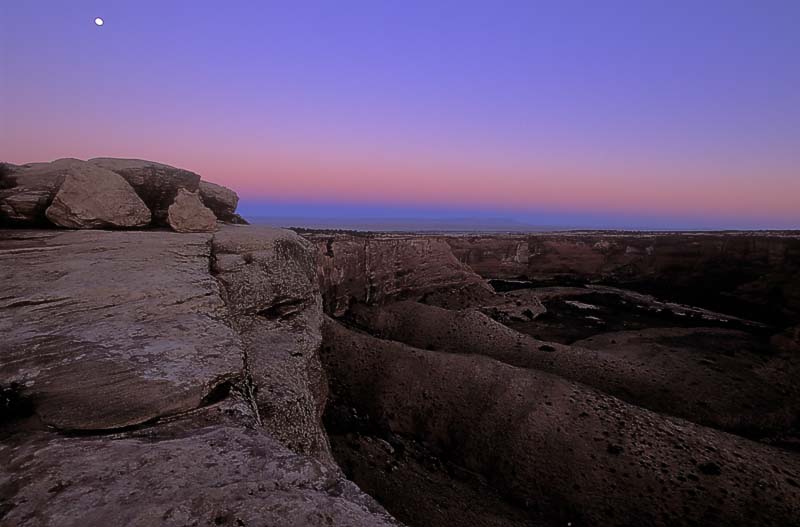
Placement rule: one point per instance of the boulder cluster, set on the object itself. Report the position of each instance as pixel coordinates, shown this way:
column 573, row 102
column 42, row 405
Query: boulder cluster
column 108, row 193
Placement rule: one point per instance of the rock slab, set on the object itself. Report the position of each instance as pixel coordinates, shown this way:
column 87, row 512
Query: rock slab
column 95, row 198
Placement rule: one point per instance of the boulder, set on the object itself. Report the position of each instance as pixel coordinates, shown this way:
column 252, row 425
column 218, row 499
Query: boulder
column 221, row 200
column 94, row 198
column 188, row 214
column 157, row 184
column 27, row 190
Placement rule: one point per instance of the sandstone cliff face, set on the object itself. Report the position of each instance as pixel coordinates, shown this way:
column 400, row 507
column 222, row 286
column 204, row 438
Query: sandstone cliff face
column 375, row 269
column 185, row 395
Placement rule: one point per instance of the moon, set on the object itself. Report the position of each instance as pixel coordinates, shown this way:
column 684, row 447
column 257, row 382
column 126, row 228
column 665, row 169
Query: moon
column 98, row 21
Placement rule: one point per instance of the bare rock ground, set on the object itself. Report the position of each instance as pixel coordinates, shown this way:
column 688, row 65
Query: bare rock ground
column 139, row 389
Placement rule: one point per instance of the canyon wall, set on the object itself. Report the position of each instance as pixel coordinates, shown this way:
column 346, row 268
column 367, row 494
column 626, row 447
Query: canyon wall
column 756, row 275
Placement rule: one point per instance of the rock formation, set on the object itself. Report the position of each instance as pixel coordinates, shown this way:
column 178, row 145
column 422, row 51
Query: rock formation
column 374, row 269
column 95, row 198
column 221, row 200
column 155, row 183
column 186, row 395
column 108, row 193
column 188, row 214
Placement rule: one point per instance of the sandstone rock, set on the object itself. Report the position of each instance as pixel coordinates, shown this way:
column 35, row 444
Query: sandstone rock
column 191, row 472
column 95, row 198
column 221, row 200
column 102, row 341
column 19, row 206
column 376, row 269
column 28, row 190
column 155, row 183
column 130, row 390
column 275, row 305
column 188, row 214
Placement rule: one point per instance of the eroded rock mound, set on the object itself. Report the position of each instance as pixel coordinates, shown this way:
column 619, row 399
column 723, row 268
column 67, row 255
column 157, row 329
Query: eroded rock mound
column 564, row 453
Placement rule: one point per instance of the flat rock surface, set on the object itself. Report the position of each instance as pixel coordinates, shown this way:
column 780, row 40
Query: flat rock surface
column 111, row 329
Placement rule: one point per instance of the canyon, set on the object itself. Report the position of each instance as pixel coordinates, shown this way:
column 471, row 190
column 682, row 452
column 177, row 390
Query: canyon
column 187, row 369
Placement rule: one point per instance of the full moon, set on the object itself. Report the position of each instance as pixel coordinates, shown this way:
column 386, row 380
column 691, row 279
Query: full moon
column 98, row 21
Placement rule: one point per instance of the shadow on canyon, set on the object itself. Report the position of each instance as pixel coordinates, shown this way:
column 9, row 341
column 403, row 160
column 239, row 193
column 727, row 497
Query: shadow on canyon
column 565, row 379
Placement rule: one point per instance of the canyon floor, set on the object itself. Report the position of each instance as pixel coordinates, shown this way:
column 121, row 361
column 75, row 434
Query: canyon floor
column 255, row 376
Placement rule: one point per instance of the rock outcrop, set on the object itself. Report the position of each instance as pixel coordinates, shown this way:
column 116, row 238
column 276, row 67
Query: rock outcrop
column 155, row 183
column 221, row 200
column 186, row 395
column 95, row 198
column 373, row 269
column 108, row 193
column 188, row 214
column 274, row 304
column 29, row 189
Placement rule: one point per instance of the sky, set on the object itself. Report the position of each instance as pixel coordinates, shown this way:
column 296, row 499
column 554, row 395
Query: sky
column 618, row 114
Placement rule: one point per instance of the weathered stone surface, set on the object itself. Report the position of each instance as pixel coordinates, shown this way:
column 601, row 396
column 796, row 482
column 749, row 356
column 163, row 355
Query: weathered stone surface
column 375, row 269
column 99, row 338
column 275, row 306
column 155, row 183
column 129, row 340
column 24, row 207
column 188, row 214
column 29, row 189
column 95, row 198
column 215, row 472
column 221, row 200
column 567, row 453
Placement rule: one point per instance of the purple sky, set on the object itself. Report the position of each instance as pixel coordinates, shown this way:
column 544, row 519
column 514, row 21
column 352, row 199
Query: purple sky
column 589, row 114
